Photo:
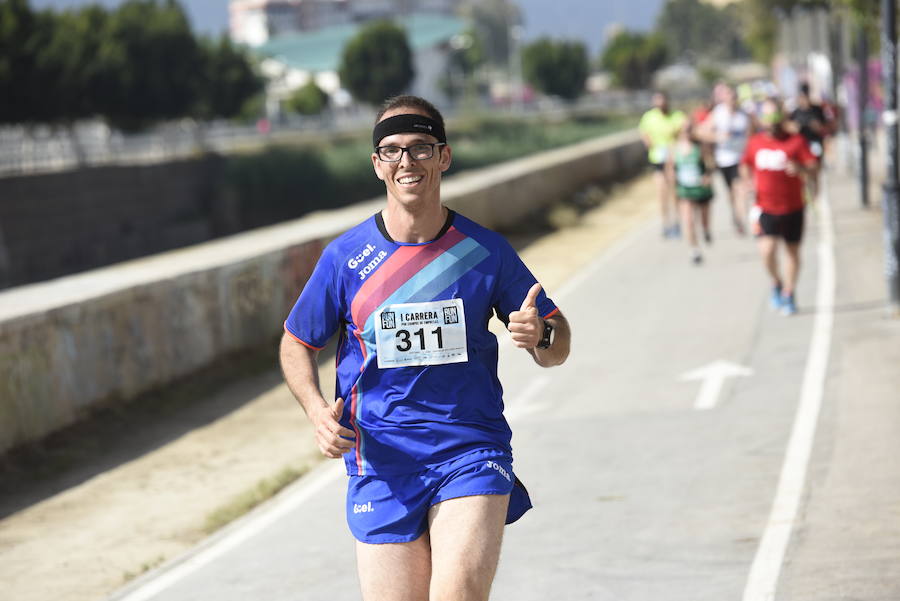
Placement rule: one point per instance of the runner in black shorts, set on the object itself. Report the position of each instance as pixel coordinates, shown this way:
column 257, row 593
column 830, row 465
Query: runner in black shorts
column 779, row 160
column 789, row 227
column 729, row 174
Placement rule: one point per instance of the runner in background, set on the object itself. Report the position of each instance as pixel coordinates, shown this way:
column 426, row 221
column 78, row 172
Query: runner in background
column 658, row 128
column 778, row 160
column 689, row 167
column 809, row 120
column 729, row 128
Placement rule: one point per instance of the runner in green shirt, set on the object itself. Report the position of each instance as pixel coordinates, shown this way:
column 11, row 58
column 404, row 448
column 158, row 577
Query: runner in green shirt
column 690, row 170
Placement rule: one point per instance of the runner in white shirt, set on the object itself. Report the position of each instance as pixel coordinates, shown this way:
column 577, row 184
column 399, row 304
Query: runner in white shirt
column 729, row 128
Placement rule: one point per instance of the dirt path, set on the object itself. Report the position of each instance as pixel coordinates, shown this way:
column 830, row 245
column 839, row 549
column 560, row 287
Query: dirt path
column 88, row 539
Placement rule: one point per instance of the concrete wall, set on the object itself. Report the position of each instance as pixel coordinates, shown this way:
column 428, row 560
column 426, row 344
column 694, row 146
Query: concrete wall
column 108, row 335
column 55, row 224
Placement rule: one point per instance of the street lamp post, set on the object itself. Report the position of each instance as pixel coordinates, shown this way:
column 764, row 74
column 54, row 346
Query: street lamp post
column 890, row 188
column 862, row 102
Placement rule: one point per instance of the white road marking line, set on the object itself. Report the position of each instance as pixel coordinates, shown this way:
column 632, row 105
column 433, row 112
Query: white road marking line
column 763, row 578
column 712, row 377
column 154, row 583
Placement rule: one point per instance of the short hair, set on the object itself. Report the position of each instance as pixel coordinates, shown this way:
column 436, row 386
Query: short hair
column 409, row 101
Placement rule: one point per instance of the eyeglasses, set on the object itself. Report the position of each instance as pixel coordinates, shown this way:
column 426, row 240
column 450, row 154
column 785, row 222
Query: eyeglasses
column 417, row 152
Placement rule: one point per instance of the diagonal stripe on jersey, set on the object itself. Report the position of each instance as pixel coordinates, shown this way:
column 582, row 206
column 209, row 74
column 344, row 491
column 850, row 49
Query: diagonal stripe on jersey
column 397, row 269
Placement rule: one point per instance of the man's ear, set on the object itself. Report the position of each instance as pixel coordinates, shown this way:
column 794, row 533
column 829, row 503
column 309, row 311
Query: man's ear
column 446, row 158
column 375, row 167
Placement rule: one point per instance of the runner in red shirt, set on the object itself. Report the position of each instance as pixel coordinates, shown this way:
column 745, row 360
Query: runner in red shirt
column 779, row 161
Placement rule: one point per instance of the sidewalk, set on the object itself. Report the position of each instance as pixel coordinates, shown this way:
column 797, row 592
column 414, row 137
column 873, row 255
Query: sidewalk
column 849, row 538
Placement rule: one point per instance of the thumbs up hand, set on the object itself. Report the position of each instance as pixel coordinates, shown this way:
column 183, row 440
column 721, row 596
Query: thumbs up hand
column 525, row 325
column 331, row 436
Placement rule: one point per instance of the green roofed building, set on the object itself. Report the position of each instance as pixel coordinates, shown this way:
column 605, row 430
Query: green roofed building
column 291, row 58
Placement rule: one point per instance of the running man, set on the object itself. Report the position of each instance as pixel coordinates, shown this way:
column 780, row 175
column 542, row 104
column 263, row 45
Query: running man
column 658, row 128
column 419, row 412
column 729, row 128
column 809, row 120
column 778, row 160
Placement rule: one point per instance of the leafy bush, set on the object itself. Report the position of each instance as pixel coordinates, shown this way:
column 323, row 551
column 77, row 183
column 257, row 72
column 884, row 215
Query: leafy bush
column 308, row 99
column 557, row 68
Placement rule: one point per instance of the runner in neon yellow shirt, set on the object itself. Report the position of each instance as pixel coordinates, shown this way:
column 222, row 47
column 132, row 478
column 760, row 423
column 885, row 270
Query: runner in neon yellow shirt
column 659, row 126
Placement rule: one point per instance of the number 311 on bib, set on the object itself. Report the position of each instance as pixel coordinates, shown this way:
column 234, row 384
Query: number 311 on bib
column 431, row 333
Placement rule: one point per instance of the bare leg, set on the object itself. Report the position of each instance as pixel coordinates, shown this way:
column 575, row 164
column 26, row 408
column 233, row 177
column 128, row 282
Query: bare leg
column 791, row 268
column 738, row 208
column 704, row 220
column 662, row 190
column 396, row 571
column 466, row 534
column 686, row 208
column 767, row 246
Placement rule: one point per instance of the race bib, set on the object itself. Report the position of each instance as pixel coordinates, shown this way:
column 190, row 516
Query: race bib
column 431, row 333
column 689, row 175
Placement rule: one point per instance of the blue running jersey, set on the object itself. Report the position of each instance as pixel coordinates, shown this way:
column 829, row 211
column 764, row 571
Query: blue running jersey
column 416, row 363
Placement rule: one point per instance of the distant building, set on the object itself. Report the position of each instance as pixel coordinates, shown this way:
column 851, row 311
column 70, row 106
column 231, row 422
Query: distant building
column 255, row 22
column 290, row 60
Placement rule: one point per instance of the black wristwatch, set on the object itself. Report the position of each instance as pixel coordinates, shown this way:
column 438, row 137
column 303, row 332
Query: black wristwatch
column 547, row 337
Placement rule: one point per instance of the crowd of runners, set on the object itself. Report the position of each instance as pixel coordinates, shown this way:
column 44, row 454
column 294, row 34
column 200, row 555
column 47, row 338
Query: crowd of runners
column 768, row 151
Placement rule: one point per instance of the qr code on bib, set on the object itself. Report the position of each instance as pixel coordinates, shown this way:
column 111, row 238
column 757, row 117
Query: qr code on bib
column 450, row 315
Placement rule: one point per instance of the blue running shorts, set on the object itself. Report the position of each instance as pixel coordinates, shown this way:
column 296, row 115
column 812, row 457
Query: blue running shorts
column 394, row 509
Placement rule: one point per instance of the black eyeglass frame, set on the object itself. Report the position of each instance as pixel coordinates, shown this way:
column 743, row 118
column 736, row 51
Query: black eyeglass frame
column 407, row 149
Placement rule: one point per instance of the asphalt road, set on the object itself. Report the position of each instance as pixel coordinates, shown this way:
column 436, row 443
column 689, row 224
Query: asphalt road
column 651, row 480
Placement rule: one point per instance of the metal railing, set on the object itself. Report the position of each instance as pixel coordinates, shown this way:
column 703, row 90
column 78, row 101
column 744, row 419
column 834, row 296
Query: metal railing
column 41, row 149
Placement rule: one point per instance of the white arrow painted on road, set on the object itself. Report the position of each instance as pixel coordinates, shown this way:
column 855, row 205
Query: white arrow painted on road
column 712, row 376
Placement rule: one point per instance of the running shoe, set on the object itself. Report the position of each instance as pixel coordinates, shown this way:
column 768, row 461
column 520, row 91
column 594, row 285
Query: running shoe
column 676, row 230
column 708, row 237
column 788, row 306
column 696, row 257
column 775, row 298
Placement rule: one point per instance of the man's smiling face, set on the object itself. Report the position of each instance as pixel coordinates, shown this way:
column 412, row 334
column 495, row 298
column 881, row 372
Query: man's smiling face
column 410, row 181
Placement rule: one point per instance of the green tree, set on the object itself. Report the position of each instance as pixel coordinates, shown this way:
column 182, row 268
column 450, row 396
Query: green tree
column 467, row 57
column 760, row 22
column 20, row 42
column 228, row 80
column 69, row 58
column 692, row 27
column 150, row 62
column 492, row 21
column 556, row 68
column 632, row 58
column 377, row 63
column 308, row 99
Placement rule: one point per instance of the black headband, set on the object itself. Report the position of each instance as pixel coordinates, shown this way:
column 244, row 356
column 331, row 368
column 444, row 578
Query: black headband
column 407, row 123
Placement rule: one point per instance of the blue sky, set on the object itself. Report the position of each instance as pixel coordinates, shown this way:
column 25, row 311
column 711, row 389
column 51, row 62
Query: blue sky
column 585, row 20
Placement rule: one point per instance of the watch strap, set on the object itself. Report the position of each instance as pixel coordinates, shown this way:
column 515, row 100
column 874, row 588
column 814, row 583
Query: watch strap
column 546, row 336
